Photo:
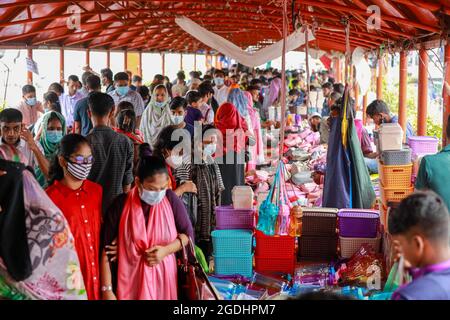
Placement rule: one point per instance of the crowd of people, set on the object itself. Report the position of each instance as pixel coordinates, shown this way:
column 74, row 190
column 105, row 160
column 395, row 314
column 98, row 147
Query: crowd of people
column 103, row 148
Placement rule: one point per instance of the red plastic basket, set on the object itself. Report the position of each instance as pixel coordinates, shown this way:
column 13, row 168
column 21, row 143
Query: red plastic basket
column 274, row 246
column 270, row 265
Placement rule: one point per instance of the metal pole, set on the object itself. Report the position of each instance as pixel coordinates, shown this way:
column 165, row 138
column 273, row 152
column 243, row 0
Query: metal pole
column 422, row 93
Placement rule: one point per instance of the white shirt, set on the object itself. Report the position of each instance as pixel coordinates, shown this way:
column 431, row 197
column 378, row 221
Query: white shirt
column 26, row 151
column 221, row 95
column 133, row 97
column 68, row 105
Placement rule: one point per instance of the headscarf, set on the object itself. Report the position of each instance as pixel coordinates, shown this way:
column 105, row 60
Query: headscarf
column 155, row 118
column 238, row 99
column 228, row 118
column 273, row 94
column 50, row 148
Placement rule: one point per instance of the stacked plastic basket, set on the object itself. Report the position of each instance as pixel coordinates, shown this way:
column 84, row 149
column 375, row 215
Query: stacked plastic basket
column 233, row 238
column 420, row 147
column 319, row 239
column 358, row 227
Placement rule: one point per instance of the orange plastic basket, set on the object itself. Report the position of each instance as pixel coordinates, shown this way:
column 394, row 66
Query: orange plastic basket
column 394, row 194
column 398, row 176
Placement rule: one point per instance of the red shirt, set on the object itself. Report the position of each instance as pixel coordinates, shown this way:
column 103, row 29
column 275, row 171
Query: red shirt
column 83, row 211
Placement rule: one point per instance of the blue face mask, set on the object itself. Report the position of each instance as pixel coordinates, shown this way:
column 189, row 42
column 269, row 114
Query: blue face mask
column 54, row 136
column 122, row 90
column 219, row 81
column 31, row 101
column 159, row 104
column 152, row 197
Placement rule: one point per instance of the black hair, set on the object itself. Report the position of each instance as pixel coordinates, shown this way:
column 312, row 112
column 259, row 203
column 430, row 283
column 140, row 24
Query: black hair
column 295, row 82
column 148, row 164
column 207, row 78
column 181, row 75
column 100, row 104
column 67, row 146
column 10, row 115
column 254, row 87
column 121, row 76
column 126, row 114
column 193, row 96
column 327, row 85
column 73, row 78
column 376, row 107
column 28, row 88
column 143, row 91
column 85, row 76
column 177, row 102
column 338, row 87
column 205, row 88
column 165, row 141
column 53, row 99
column 425, row 211
column 256, row 82
column 219, row 72
column 107, row 73
column 93, row 82
column 195, row 74
column 158, row 77
column 56, row 87
column 124, row 105
column 136, row 78
column 335, row 96
column 293, row 92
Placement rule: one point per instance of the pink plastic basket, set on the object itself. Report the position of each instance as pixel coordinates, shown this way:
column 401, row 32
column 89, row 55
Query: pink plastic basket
column 229, row 218
column 423, row 145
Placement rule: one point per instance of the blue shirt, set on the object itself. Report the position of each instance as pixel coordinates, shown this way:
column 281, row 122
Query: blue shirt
column 409, row 127
column 80, row 114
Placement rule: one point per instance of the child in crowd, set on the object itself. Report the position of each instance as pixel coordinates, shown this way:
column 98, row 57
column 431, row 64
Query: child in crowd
column 296, row 99
column 207, row 92
column 126, row 125
column 420, row 230
column 193, row 113
column 178, row 108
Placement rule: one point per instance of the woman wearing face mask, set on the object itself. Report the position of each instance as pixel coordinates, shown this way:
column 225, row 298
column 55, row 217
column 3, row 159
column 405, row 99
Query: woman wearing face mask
column 150, row 224
column 53, row 129
column 80, row 201
column 50, row 103
column 157, row 115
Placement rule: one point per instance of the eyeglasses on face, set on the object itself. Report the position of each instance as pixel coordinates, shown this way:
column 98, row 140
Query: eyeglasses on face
column 81, row 159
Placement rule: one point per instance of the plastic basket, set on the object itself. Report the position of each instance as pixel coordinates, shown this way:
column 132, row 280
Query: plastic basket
column 319, row 221
column 242, row 265
column 317, row 248
column 274, row 246
column 396, row 157
column 423, row 145
column 275, row 265
column 229, row 218
column 395, row 176
column 358, row 223
column 395, row 194
column 232, row 243
column 351, row 245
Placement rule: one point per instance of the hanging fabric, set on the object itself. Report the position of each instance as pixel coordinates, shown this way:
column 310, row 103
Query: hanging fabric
column 260, row 57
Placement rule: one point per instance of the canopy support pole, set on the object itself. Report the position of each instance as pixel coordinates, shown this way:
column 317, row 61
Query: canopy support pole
column 380, row 78
column 422, row 93
column 446, row 108
column 125, row 60
column 403, row 85
column 337, row 70
column 364, row 108
column 29, row 73
column 88, row 57
column 61, row 66
column 283, row 77
column 108, row 58
column 163, row 63
column 195, row 61
column 181, row 61
column 140, row 63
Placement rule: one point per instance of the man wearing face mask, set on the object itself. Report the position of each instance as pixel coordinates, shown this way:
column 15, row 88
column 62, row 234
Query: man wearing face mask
column 178, row 108
column 30, row 108
column 68, row 100
column 124, row 93
column 207, row 92
column 220, row 89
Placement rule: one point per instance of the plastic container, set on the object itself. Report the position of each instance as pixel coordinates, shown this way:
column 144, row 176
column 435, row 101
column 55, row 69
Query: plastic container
column 423, row 145
column 349, row 246
column 396, row 157
column 390, row 137
column 358, row 223
column 395, row 194
column 229, row 218
column 242, row 197
column 271, row 265
column 398, row 176
column 232, row 242
column 317, row 248
column 274, row 246
column 266, row 282
column 229, row 265
column 319, row 221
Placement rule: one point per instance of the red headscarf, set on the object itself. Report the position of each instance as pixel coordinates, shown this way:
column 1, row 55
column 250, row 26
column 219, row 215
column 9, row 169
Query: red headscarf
column 228, row 118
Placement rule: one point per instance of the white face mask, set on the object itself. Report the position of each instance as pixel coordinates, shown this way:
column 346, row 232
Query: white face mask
column 210, row 149
column 152, row 197
column 177, row 119
column 174, row 161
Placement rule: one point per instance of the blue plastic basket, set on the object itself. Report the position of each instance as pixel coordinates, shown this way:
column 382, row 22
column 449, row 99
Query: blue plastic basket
column 232, row 243
column 225, row 265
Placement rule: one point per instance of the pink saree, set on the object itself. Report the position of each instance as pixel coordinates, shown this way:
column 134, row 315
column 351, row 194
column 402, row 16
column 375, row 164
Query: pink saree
column 136, row 280
column 257, row 150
